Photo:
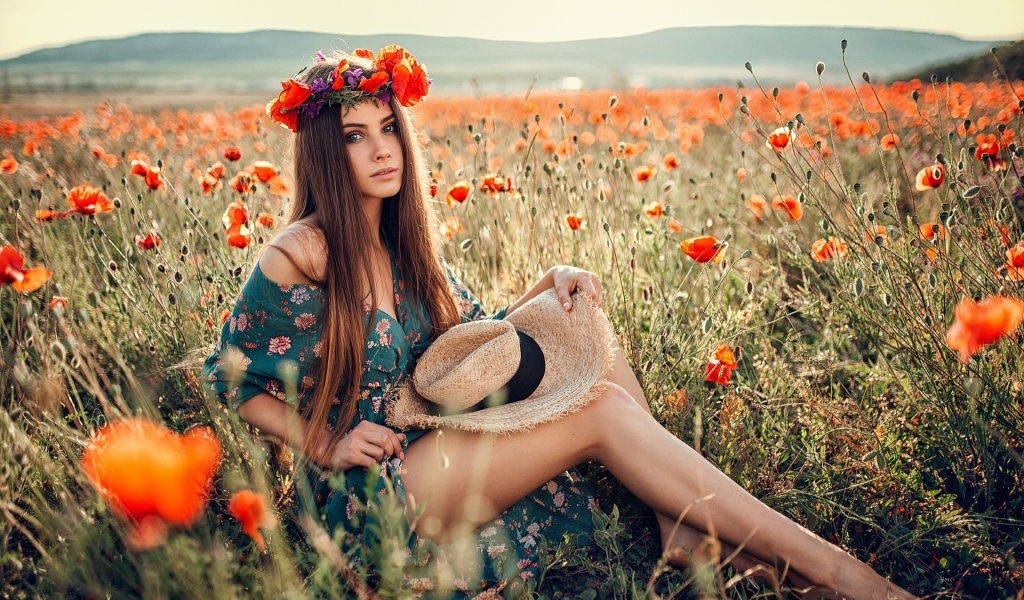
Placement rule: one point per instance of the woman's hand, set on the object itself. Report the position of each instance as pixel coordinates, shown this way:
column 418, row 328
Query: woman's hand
column 364, row 446
column 566, row 280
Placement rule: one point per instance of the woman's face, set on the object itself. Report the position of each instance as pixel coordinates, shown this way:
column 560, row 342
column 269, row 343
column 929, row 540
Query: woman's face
column 374, row 149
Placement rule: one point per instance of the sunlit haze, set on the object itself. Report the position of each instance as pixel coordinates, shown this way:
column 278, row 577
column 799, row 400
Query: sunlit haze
column 32, row 24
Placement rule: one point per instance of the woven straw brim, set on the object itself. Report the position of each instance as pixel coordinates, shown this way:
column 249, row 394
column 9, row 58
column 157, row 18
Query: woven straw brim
column 578, row 353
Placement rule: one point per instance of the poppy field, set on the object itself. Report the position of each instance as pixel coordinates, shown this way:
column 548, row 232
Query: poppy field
column 820, row 288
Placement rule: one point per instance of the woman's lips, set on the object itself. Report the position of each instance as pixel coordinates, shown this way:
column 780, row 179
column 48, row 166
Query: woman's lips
column 384, row 173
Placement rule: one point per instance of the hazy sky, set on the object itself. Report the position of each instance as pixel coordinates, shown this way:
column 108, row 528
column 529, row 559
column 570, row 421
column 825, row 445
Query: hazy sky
column 31, row 24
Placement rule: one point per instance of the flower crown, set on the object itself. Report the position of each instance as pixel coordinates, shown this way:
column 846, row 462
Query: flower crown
column 394, row 73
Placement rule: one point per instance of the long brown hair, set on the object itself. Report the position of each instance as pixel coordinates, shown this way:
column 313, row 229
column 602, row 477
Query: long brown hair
column 326, row 190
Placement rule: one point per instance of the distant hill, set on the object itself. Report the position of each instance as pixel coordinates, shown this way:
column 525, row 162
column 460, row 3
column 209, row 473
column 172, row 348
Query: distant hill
column 982, row 67
column 691, row 56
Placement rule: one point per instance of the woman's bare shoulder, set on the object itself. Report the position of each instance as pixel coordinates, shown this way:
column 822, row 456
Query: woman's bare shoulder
column 296, row 255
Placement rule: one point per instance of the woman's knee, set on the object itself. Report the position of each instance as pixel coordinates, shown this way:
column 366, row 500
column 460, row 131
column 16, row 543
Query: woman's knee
column 611, row 409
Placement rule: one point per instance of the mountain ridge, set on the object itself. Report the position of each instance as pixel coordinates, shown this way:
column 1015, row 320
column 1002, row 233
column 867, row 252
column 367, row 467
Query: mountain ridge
column 683, row 56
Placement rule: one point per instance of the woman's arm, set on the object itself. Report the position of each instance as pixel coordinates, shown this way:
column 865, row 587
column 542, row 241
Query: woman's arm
column 365, row 445
column 566, row 280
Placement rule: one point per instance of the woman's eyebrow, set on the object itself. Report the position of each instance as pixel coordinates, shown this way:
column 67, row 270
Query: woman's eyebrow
column 363, row 125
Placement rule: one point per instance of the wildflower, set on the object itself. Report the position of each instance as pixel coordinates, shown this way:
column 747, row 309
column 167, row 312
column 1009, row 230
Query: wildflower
column 12, row 271
column 265, row 219
column 263, row 170
column 409, row 81
column 154, row 180
column 670, row 162
column 148, row 242
column 57, row 301
column 450, row 227
column 251, row 511
column 9, row 165
column 283, row 108
column 654, row 209
column 794, row 210
column 719, row 369
column 237, row 213
column 757, row 203
column 458, row 192
column 741, row 174
column 979, row 324
column 703, row 249
column 575, row 221
column 822, row 249
column 88, row 200
column 43, row 215
column 932, row 229
column 779, row 139
column 889, row 141
column 151, row 476
column 372, row 83
column 644, row 173
column 1014, row 267
column 233, row 153
column 240, row 182
column 238, row 236
column 988, row 152
column 139, row 167
column 279, row 185
column 675, row 226
column 493, row 183
column 930, row 178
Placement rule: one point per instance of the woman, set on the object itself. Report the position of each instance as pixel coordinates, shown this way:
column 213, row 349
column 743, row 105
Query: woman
column 352, row 292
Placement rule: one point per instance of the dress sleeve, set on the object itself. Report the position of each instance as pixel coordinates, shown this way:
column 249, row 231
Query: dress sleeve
column 262, row 349
column 469, row 305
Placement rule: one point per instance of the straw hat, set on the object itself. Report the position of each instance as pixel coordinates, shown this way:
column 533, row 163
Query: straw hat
column 537, row 365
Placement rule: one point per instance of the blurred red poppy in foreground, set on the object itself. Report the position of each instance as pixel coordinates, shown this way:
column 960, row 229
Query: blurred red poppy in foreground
column 8, row 166
column 719, row 369
column 703, row 249
column 12, row 271
column 779, row 139
column 151, row 476
column 930, row 177
column 251, row 511
column 979, row 324
column 457, row 193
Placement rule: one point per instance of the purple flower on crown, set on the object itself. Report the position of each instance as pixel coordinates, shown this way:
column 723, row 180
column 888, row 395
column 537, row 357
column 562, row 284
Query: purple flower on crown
column 320, row 57
column 352, row 77
column 320, row 86
column 311, row 109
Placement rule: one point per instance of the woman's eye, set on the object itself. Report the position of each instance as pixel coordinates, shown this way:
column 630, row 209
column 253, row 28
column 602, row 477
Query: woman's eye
column 353, row 137
column 390, row 128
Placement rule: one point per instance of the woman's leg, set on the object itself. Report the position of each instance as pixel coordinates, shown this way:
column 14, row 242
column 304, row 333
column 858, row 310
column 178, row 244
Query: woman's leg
column 465, row 478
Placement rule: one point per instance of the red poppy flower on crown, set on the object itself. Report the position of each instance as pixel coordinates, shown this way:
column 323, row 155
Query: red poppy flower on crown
column 360, row 77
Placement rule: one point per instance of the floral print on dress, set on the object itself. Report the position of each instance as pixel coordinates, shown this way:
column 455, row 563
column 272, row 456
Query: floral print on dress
column 272, row 334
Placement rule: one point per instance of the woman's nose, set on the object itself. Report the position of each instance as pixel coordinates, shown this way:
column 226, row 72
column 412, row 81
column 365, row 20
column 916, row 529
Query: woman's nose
column 382, row 152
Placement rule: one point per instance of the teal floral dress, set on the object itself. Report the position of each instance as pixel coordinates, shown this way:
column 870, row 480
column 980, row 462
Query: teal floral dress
column 272, row 342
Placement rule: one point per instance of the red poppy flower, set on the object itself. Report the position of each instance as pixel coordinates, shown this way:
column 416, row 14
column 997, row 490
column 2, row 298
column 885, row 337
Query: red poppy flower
column 287, row 119
column 88, row 200
column 237, row 213
column 139, row 167
column 644, row 173
column 670, row 162
column 575, row 221
column 675, row 226
column 154, row 180
column 216, row 170
column 822, row 249
column 654, row 209
column 719, row 369
column 251, row 511
column 233, row 153
column 371, row 84
column 337, row 78
column 44, row 215
column 293, row 94
column 932, row 229
column 263, row 170
column 889, row 141
column 988, row 152
column 57, row 301
column 149, row 241
column 151, row 476
column 265, row 219
column 12, row 271
column 779, row 139
column 493, row 183
column 363, row 53
column 8, row 166
column 979, row 324
column 240, row 182
column 29, row 148
column 390, row 56
column 794, row 210
column 238, row 236
column 757, row 204
column 458, row 192
column 930, row 178
column 703, row 249
column 1015, row 255
column 409, row 82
